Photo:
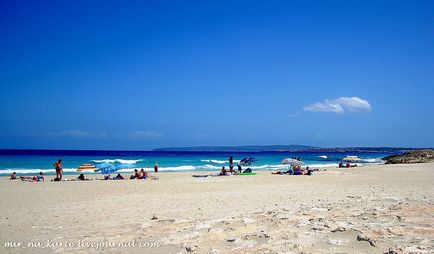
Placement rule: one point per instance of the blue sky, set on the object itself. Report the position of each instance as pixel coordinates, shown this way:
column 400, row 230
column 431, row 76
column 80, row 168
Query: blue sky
column 145, row 74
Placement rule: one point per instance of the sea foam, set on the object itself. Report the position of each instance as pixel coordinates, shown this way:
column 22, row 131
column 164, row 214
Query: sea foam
column 122, row 161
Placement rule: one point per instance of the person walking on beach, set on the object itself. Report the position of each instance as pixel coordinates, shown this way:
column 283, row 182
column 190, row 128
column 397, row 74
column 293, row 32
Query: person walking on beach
column 231, row 163
column 156, row 167
column 58, row 166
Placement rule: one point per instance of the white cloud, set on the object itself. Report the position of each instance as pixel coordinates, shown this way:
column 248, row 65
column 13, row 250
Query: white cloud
column 340, row 105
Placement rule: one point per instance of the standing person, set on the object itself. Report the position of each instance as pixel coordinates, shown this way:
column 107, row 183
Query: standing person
column 231, row 163
column 156, row 167
column 58, row 166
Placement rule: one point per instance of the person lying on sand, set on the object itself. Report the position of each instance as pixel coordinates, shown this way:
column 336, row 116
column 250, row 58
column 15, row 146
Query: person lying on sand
column 39, row 178
column 28, row 178
column 278, row 172
column 118, row 177
column 248, row 170
column 81, row 177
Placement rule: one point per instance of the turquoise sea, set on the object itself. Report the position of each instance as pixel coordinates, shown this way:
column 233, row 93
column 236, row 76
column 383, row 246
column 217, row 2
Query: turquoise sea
column 33, row 161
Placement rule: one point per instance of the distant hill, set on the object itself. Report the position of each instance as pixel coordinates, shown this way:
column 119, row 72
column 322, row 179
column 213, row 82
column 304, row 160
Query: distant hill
column 286, row 148
column 251, row 148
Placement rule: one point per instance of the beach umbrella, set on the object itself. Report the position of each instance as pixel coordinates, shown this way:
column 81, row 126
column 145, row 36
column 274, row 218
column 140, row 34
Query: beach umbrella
column 292, row 162
column 351, row 158
column 110, row 168
column 247, row 161
column 106, row 168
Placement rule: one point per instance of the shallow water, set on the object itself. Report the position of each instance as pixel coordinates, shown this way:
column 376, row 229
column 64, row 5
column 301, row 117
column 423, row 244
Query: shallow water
column 33, row 161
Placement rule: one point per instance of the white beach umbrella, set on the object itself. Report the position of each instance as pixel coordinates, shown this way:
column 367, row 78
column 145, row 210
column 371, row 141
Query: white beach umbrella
column 292, row 162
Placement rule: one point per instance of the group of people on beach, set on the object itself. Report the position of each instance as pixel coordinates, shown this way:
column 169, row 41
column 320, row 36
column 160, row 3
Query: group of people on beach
column 347, row 165
column 295, row 170
column 231, row 170
column 38, row 178
column 142, row 174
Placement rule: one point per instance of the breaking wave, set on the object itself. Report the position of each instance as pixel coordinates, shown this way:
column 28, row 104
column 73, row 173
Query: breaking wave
column 219, row 161
column 33, row 170
column 122, row 161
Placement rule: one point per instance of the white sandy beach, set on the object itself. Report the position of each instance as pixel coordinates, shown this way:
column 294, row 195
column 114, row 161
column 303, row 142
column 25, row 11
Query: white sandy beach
column 361, row 210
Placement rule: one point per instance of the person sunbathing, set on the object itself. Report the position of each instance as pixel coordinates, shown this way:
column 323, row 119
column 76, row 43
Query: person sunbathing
column 118, row 177
column 81, row 177
column 39, row 178
column 13, row 176
column 247, row 170
column 136, row 174
column 144, row 174
column 28, row 178
column 223, row 171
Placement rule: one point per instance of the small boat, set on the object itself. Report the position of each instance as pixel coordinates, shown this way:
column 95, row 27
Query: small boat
column 86, row 167
column 323, row 156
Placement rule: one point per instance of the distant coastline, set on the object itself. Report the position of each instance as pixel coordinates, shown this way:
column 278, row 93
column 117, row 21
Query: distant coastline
column 284, row 148
column 217, row 149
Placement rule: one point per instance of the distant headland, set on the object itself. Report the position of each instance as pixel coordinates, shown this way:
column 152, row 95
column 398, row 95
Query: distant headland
column 283, row 148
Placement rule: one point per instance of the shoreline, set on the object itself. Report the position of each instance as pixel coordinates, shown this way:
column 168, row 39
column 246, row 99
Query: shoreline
column 322, row 171
column 259, row 168
column 368, row 209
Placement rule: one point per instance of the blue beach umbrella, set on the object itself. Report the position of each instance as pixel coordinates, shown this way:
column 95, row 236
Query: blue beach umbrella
column 110, row 168
column 106, row 168
column 247, row 161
